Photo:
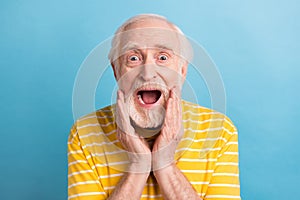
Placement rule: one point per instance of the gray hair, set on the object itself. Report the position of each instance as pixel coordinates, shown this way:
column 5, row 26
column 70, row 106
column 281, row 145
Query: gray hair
column 186, row 48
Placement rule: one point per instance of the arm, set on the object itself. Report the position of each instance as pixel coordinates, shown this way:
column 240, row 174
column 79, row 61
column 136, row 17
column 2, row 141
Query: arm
column 133, row 182
column 174, row 184
column 130, row 187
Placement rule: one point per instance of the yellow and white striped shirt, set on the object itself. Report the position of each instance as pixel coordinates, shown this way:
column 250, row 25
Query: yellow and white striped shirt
column 207, row 155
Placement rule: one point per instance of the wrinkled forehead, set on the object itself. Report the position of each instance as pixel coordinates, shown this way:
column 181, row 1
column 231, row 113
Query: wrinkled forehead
column 144, row 38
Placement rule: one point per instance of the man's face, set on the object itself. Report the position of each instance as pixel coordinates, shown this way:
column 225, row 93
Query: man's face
column 148, row 67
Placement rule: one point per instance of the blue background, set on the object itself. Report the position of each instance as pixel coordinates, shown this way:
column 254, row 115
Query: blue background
column 255, row 45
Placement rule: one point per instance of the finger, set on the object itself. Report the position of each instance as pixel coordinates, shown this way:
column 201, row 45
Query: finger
column 177, row 100
column 169, row 108
column 120, row 107
column 118, row 94
column 121, row 95
column 171, row 92
column 122, row 115
column 173, row 117
column 168, row 123
column 175, row 92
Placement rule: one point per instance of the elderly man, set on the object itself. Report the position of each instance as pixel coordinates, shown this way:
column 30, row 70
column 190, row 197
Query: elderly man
column 151, row 144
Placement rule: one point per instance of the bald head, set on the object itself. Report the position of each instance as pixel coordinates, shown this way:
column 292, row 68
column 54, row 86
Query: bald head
column 152, row 19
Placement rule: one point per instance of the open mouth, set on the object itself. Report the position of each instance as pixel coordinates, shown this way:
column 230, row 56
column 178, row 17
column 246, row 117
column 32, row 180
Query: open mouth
column 148, row 97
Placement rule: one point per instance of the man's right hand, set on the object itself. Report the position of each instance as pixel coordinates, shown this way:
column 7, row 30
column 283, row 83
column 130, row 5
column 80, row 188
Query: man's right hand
column 137, row 148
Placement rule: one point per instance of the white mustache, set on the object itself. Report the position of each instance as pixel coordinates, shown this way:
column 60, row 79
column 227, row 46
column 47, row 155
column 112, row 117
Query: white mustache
column 139, row 85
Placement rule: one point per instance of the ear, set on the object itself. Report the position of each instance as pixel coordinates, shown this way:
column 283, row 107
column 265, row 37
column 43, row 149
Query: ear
column 184, row 69
column 114, row 69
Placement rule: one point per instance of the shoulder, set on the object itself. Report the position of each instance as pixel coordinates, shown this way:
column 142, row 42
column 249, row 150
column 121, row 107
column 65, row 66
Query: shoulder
column 211, row 131
column 206, row 122
column 104, row 114
column 97, row 123
column 203, row 115
column 100, row 117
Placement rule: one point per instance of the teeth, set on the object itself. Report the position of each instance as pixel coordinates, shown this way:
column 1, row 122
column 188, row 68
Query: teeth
column 140, row 99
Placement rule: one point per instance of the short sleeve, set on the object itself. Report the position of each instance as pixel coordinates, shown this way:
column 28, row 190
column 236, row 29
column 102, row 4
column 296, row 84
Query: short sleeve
column 83, row 182
column 224, row 184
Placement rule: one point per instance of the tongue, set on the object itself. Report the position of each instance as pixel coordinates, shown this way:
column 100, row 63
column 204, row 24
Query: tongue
column 150, row 97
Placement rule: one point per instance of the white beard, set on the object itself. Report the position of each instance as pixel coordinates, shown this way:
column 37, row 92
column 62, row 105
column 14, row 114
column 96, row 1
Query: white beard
column 146, row 118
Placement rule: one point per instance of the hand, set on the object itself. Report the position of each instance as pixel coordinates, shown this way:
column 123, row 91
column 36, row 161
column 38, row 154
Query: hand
column 138, row 151
column 165, row 145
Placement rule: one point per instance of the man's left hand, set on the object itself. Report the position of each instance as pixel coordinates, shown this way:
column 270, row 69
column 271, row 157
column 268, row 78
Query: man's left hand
column 171, row 133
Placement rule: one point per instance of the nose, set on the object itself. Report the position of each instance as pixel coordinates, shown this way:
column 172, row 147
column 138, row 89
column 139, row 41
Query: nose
column 148, row 72
column 148, row 69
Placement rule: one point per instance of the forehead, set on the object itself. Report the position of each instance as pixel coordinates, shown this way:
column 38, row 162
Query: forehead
column 144, row 38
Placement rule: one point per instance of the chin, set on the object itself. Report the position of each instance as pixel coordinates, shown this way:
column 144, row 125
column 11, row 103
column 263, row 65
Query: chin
column 147, row 118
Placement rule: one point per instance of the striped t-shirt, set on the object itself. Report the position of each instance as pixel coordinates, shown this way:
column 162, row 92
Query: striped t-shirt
column 207, row 155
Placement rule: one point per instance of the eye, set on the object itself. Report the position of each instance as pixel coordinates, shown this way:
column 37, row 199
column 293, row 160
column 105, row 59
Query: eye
column 163, row 57
column 133, row 58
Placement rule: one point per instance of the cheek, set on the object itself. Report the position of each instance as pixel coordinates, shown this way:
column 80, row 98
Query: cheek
column 171, row 76
column 127, row 78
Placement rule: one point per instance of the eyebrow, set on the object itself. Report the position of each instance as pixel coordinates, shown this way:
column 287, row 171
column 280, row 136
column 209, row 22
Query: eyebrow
column 129, row 46
column 133, row 46
column 165, row 47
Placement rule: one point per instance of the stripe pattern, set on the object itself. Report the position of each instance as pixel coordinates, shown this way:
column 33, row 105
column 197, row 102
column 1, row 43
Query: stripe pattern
column 207, row 155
